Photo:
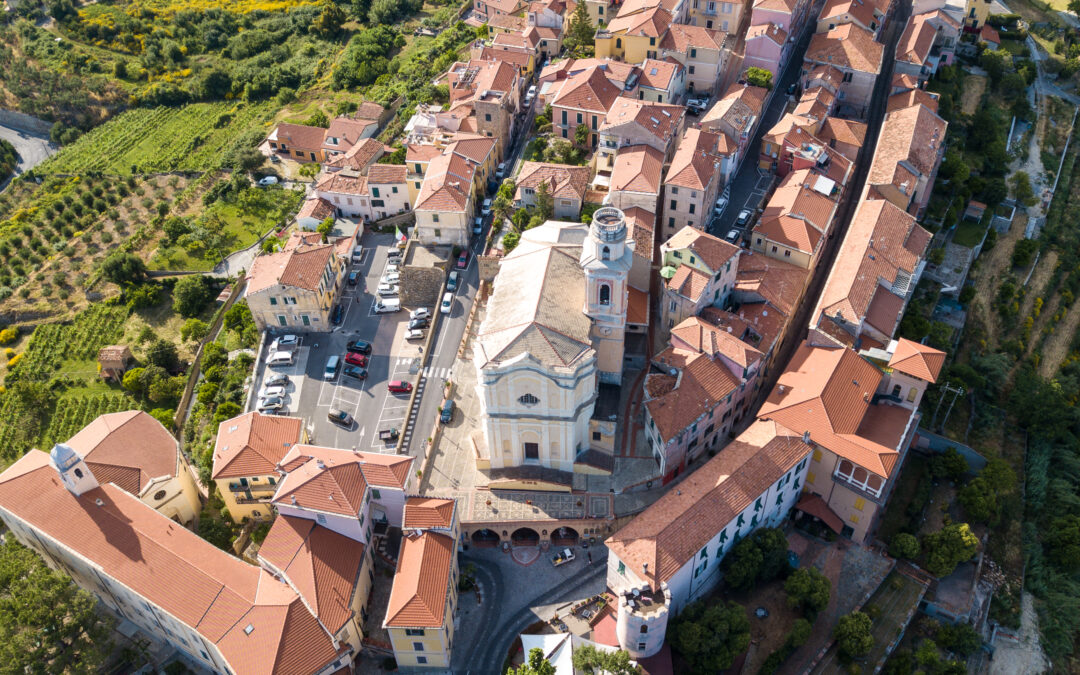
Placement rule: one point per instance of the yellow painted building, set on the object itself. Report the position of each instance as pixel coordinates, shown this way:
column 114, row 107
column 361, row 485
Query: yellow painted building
column 295, row 288
column 635, row 37
column 420, row 615
column 976, row 12
column 246, row 454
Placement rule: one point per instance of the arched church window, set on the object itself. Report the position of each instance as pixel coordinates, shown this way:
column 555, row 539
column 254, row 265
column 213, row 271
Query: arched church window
column 605, row 253
column 605, row 295
column 528, row 399
column 78, row 473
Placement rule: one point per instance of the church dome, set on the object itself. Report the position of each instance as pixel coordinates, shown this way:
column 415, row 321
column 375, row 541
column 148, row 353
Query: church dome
column 63, row 457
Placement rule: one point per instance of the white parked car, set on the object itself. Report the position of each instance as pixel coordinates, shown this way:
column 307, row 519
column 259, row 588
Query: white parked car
column 271, row 403
column 721, row 204
column 414, row 334
column 532, row 92
column 732, row 236
column 420, row 313
column 390, row 278
column 267, row 392
column 391, row 268
column 744, row 217
column 268, row 180
column 387, row 289
column 387, row 305
column 285, row 342
column 447, row 303
column 487, row 206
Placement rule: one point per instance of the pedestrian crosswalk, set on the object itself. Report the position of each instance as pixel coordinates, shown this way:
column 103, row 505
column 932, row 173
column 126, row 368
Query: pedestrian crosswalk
column 433, row 372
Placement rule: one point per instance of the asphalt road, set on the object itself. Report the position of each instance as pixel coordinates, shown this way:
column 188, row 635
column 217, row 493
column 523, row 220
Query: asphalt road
column 32, row 149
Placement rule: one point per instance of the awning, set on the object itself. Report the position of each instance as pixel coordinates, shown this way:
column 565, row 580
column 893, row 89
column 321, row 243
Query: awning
column 667, row 271
column 815, row 506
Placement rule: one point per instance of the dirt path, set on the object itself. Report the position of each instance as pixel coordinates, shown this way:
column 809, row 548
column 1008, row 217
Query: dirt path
column 1025, row 656
column 1036, row 287
column 1056, row 347
column 993, row 264
column 971, row 95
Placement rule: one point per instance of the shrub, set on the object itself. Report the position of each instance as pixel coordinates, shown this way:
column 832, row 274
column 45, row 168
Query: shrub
column 808, row 590
column 852, row 634
column 163, row 415
column 904, row 545
column 948, row 548
column 190, row 295
column 9, row 335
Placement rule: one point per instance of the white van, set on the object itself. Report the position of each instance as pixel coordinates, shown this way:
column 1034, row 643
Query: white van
column 277, row 359
column 447, row 303
column 331, row 367
column 387, row 305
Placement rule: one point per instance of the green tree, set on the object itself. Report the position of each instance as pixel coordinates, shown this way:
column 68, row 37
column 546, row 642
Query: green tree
column 759, row 558
column 133, row 381
column 47, row 623
column 593, row 661
column 581, row 136
column 904, row 545
column 580, row 33
column 535, row 665
column 325, row 228
column 800, row 632
column 163, row 415
column 166, row 389
column 710, row 637
column 948, row 548
column 1021, row 188
column 545, row 203
column 852, row 634
column 162, row 354
column 960, row 638
column 1062, row 542
column 759, row 77
column 949, row 464
column 123, row 268
column 194, row 330
column 190, row 295
column 328, row 23
column 808, row 590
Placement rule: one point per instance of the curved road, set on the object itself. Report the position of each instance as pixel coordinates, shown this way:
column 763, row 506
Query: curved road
column 33, row 149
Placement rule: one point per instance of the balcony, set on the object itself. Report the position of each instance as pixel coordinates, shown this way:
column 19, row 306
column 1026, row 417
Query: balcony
column 253, row 500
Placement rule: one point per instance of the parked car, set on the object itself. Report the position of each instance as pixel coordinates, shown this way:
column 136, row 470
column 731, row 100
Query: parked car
column 398, row 387
column 354, row 359
column 278, row 359
column 562, row 557
column 391, row 278
column 339, row 417
column 387, row 289
column 285, row 342
column 354, row 277
column 276, row 380
column 414, row 334
column 358, row 346
column 387, row 305
column 331, row 368
column 792, row 88
column 463, row 260
column 447, row 413
column 393, row 253
column 270, row 404
column 744, row 217
column 418, row 323
column 487, row 206
column 501, row 170
column 267, row 180
column 274, row 159
column 357, row 254
column 391, row 268
column 732, row 236
column 478, row 225
column 721, row 205
column 355, row 372
column 447, row 303
column 532, row 92
column 270, row 391
column 338, row 316
column 452, row 282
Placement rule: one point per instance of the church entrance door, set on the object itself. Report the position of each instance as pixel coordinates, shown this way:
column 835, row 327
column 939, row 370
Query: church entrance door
column 532, row 451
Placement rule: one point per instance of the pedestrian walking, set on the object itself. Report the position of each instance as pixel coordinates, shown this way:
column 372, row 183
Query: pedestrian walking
column 589, row 556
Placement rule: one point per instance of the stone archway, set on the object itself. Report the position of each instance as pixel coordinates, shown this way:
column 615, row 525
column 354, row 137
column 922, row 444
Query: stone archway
column 525, row 536
column 485, row 538
column 565, row 536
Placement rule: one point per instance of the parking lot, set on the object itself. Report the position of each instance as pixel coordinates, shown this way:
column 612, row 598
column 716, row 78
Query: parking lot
column 372, row 407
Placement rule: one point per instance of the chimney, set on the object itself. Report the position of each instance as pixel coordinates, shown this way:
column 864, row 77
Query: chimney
column 645, row 568
column 806, row 437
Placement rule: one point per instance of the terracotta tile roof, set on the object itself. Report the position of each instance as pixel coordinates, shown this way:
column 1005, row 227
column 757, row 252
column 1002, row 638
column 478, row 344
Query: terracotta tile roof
column 637, row 307
column 778, row 283
column 298, row 136
column 253, row 444
column 641, row 227
column 882, row 249
column 712, row 251
column 912, row 97
column 777, row 5
column 428, row 512
column 421, row 582
column 662, row 120
column 447, row 185
column 670, row 533
column 259, row 624
column 301, row 267
column 588, row 90
column 695, row 163
column 512, row 40
column 615, row 71
column 702, row 336
column 701, row 385
column 847, row 46
column 827, row 75
column 688, row 282
column 904, row 81
column 508, row 22
column 518, row 59
column 917, row 360
column 739, row 108
column 989, row 34
column 342, row 182
column 416, row 152
column 681, row 37
column 384, row 174
column 317, row 208
column 390, row 471
column 658, row 74
column 816, row 506
column 793, row 197
column 848, row 132
column 470, row 80
column 659, row 384
column 920, row 33
column 369, row 110
column 817, row 102
column 506, row 6
column 638, row 168
column 114, row 353
column 863, row 12
column 768, row 31
column 827, row 392
column 652, row 22
column 908, row 146
column 127, row 448
column 563, row 181
column 319, row 564
column 318, row 486
column 786, row 124
column 634, row 6
column 347, row 130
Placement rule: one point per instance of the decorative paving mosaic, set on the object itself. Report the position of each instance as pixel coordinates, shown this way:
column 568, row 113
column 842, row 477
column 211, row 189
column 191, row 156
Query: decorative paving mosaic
column 503, row 505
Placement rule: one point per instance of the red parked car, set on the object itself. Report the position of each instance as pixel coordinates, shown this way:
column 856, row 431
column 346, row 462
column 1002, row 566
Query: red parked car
column 354, row 359
column 463, row 260
column 398, row 387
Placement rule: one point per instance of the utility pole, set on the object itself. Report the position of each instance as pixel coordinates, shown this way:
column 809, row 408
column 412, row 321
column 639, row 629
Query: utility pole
column 947, row 388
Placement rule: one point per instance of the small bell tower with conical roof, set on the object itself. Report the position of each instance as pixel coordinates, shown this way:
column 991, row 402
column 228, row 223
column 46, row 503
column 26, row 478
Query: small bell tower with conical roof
column 73, row 471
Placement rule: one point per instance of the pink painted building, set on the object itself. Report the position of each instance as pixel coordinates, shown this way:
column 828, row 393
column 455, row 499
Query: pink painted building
column 767, row 46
